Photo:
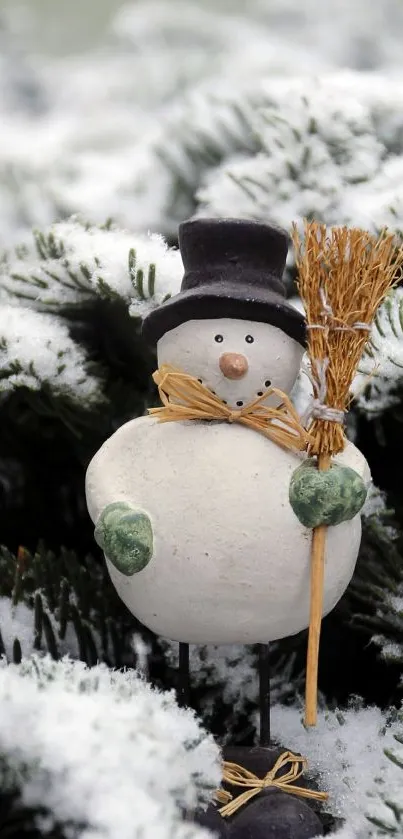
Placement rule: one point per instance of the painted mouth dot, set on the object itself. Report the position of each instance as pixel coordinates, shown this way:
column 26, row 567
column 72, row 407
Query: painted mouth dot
column 259, row 393
column 200, row 380
column 239, row 404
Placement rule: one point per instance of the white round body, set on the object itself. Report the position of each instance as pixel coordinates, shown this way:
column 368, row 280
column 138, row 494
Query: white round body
column 231, row 561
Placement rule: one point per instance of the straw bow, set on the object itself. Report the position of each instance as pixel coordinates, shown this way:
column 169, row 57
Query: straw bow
column 184, row 398
column 241, row 777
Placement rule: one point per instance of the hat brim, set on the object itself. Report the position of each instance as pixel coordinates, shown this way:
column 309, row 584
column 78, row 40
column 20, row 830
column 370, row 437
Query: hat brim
column 223, row 300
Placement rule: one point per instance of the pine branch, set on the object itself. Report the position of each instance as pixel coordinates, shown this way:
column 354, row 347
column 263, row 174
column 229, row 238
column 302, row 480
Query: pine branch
column 37, row 353
column 62, row 604
column 376, row 592
column 71, row 264
column 391, row 800
column 110, row 719
column 321, row 153
column 206, row 130
column 379, row 385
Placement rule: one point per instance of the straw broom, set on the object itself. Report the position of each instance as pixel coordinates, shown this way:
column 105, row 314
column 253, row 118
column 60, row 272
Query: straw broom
column 344, row 275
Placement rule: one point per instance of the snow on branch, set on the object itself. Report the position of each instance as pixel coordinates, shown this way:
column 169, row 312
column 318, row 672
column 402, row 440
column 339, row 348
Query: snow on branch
column 379, row 382
column 198, row 133
column 71, row 263
column 36, row 350
column 376, row 592
column 322, row 144
column 233, row 670
column 103, row 751
column 390, row 618
column 350, row 754
column 70, row 143
column 62, row 604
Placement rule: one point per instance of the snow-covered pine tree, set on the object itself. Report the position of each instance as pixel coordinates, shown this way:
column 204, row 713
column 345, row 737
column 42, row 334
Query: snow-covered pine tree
column 270, row 111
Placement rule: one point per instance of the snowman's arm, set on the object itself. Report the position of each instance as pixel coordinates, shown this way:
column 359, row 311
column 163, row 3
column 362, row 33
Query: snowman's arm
column 122, row 529
column 332, row 496
column 109, row 476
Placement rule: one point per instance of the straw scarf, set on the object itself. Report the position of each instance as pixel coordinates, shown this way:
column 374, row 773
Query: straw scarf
column 184, row 398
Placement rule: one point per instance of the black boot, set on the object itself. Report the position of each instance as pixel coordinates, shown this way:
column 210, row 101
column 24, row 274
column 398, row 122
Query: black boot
column 272, row 814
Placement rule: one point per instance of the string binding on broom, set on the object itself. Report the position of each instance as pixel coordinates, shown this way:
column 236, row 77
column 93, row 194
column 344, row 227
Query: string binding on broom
column 317, row 408
column 336, row 325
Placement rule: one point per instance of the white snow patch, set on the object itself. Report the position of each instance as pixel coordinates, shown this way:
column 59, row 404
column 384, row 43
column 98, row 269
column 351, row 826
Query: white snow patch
column 105, row 750
column 380, row 372
column 91, row 258
column 346, row 752
column 36, row 349
column 16, row 623
column 233, row 667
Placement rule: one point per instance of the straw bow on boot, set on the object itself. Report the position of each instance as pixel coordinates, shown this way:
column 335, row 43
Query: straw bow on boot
column 271, row 813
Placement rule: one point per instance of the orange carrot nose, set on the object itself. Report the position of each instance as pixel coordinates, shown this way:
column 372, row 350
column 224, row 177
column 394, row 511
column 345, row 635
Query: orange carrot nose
column 233, row 365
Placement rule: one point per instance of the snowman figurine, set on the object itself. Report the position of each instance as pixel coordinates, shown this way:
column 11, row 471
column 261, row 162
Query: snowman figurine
column 201, row 538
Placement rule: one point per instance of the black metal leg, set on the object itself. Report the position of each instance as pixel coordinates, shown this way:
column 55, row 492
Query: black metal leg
column 264, row 693
column 184, row 676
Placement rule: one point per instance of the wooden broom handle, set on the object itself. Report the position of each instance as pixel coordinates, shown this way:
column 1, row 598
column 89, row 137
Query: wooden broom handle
column 316, row 611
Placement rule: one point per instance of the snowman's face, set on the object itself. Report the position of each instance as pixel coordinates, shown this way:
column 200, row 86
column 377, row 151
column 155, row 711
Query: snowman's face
column 236, row 359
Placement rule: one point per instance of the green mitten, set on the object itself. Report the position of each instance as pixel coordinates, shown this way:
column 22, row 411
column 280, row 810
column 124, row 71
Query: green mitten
column 126, row 537
column 327, row 497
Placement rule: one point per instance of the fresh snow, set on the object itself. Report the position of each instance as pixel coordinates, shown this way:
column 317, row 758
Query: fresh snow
column 381, row 368
column 92, row 260
column 233, row 670
column 16, row 623
column 147, row 153
column 36, row 349
column 104, row 751
column 346, row 754
column 322, row 140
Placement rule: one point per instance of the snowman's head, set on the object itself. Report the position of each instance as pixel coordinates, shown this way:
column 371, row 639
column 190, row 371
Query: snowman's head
column 236, row 359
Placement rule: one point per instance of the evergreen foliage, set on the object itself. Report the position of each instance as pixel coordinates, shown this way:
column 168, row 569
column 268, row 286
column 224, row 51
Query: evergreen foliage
column 378, row 587
column 134, row 744
column 59, row 605
column 73, row 365
column 391, row 823
column 229, row 111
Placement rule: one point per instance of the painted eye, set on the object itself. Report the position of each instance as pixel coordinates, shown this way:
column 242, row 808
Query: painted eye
column 259, row 393
column 219, row 339
column 239, row 404
column 249, row 339
column 267, row 383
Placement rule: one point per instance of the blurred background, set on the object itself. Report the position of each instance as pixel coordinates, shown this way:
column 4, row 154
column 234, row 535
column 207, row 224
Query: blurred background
column 61, row 27
column 146, row 111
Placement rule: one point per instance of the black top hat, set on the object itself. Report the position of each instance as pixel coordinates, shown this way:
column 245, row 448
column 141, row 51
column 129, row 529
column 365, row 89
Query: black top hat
column 233, row 268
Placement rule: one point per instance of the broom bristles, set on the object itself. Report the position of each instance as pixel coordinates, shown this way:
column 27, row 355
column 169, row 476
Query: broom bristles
column 344, row 275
